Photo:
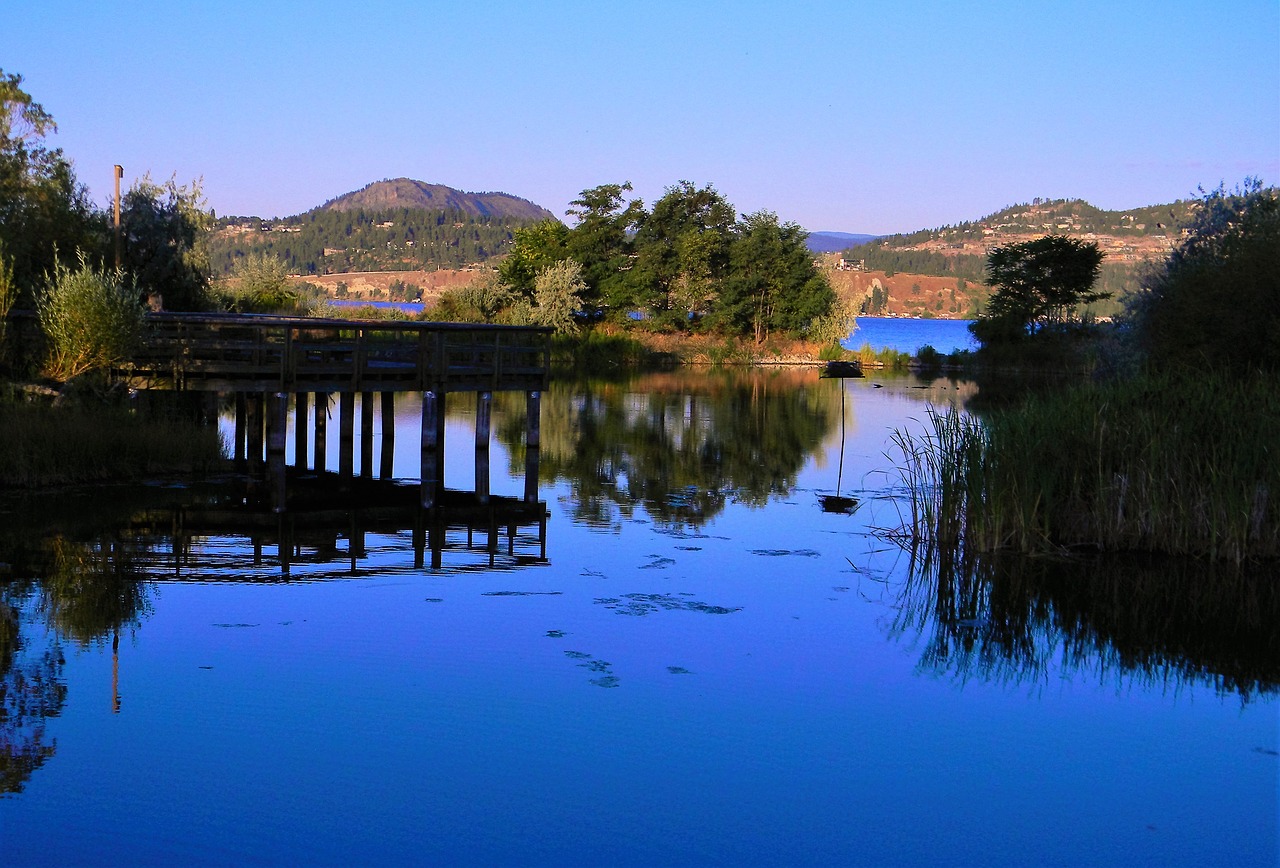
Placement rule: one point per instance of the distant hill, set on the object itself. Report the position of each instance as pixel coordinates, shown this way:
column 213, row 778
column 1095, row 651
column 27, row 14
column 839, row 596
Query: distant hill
column 1128, row 239
column 833, row 242
column 395, row 225
column 408, row 194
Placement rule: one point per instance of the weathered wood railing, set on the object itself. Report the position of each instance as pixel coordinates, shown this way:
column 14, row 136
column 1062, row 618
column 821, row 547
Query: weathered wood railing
column 240, row 352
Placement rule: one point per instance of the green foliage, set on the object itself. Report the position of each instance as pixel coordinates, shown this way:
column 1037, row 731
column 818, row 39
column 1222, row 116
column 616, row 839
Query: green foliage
column 1038, row 285
column 43, row 209
column 772, row 283
column 1216, row 300
column 1180, row 465
column 8, row 292
column 533, row 248
column 91, row 319
column 161, row 226
column 479, row 302
column 46, row 446
column 260, row 284
column 394, row 239
column 835, row 326
column 558, row 293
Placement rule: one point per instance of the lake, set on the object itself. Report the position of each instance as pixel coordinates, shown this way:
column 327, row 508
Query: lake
column 704, row 667
column 909, row 335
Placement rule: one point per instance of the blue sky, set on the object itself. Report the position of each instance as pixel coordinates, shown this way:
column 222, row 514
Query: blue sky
column 859, row 117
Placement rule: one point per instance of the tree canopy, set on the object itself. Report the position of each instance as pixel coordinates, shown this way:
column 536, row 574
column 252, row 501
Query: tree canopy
column 687, row 264
column 1038, row 284
column 1216, row 300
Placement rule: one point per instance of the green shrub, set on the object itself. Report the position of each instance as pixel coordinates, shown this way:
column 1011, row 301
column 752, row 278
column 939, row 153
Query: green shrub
column 91, row 319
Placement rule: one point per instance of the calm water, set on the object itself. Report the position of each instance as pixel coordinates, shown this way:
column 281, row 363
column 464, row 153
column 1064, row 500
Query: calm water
column 706, row 668
column 909, row 335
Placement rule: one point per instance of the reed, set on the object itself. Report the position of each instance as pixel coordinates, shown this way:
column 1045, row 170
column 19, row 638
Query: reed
column 48, row 446
column 1173, row 464
column 882, row 358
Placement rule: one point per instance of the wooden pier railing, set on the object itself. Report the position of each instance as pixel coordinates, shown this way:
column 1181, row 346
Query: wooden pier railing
column 255, row 353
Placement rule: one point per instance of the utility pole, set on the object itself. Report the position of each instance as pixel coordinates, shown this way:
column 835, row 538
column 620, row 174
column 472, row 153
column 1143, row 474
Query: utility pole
column 119, row 173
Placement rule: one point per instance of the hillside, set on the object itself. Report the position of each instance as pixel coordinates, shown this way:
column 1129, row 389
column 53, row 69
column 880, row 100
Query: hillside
column 407, row 194
column 397, row 225
column 957, row 254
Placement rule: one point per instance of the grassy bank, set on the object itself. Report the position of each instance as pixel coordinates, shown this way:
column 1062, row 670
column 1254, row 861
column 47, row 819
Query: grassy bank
column 1179, row 465
column 48, row 446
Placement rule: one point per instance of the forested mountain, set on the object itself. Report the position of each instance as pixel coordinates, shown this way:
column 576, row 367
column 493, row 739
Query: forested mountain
column 833, row 242
column 410, row 195
column 399, row 225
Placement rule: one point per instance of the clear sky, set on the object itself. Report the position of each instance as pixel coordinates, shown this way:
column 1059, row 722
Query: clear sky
column 853, row 116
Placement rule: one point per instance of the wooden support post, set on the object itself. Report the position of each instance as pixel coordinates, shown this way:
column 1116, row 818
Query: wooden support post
column 322, row 428
column 277, row 435
column 388, row 401
column 533, row 445
column 346, row 434
column 242, row 427
column 432, row 471
column 484, row 413
column 300, row 430
column 366, row 434
column 253, row 427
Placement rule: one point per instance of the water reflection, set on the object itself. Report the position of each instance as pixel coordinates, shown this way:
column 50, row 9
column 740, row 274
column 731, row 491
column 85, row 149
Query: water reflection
column 1155, row 622
column 681, row 445
column 31, row 687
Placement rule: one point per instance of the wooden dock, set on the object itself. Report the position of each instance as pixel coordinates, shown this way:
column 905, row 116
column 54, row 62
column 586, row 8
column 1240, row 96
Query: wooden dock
column 272, row 364
column 255, row 353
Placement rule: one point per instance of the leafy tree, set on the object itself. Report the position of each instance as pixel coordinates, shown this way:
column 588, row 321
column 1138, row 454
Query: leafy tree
column 773, row 284
column 682, row 251
column 1216, row 300
column 161, row 225
column 1038, row 284
column 558, row 294
column 44, row 212
column 534, row 248
column 601, row 241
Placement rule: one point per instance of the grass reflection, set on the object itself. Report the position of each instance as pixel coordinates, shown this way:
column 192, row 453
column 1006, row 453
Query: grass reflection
column 1156, row 622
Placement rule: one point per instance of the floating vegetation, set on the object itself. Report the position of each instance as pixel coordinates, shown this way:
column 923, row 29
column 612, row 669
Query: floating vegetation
column 784, row 553
column 434, row 599
column 521, row 593
column 603, row 668
column 658, row 562
column 556, row 634
column 678, row 670
column 647, row 604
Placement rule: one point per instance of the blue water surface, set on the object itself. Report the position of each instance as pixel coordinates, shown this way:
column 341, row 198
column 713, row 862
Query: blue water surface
column 706, row 669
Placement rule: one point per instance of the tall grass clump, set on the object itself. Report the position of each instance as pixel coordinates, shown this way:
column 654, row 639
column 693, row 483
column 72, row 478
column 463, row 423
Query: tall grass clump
column 90, row 318
column 1183, row 465
column 596, row 350
column 882, row 358
column 48, row 445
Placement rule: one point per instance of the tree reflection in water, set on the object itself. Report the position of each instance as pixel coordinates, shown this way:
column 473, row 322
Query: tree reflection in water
column 85, row 591
column 1159, row 622
column 681, row 445
column 31, row 688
